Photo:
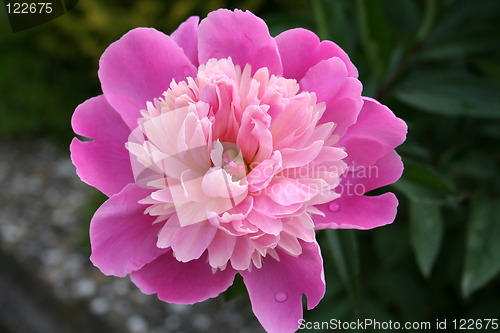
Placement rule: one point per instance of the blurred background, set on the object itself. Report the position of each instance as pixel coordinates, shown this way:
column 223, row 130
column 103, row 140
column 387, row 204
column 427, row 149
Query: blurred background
column 435, row 63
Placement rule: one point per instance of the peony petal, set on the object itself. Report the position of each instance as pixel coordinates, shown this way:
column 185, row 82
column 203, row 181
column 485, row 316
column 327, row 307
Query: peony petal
column 186, row 36
column 293, row 158
column 265, row 223
column 276, row 289
column 221, row 249
column 104, row 162
column 167, row 232
column 182, row 283
column 262, row 174
column 357, row 212
column 242, row 254
column 385, row 171
column 376, row 132
column 342, row 94
column 263, row 204
column 301, row 49
column 218, row 183
column 119, row 228
column 288, row 191
column 189, row 242
column 139, row 68
column 240, row 35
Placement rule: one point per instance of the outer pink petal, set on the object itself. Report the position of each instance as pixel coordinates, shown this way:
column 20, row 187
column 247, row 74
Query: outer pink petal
column 276, row 289
column 240, row 35
column 385, row 171
column 138, row 68
column 104, row 162
column 376, row 132
column 122, row 237
column 357, row 212
column 186, row 36
column 342, row 94
column 301, row 49
column 182, row 283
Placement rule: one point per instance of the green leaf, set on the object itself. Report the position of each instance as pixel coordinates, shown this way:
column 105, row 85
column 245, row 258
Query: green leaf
column 451, row 94
column 344, row 249
column 376, row 35
column 489, row 67
column 340, row 26
column 463, row 47
column 404, row 17
column 482, row 257
column 319, row 14
column 236, row 289
column 420, row 183
column 426, row 232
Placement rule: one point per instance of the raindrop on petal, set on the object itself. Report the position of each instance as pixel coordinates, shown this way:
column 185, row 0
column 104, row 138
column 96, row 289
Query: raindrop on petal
column 280, row 297
column 334, row 207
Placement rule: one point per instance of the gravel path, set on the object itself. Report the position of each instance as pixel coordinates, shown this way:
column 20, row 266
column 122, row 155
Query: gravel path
column 44, row 217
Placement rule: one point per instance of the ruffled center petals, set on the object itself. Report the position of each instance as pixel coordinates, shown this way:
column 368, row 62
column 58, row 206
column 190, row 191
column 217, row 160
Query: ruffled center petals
column 231, row 156
column 288, row 191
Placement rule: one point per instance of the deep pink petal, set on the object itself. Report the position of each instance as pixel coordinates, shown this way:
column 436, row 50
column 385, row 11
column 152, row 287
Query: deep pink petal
column 357, row 212
column 186, row 36
column 104, row 162
column 276, row 289
column 182, row 283
column 122, row 237
column 376, row 132
column 139, row 68
column 342, row 94
column 301, row 49
column 385, row 171
column 240, row 35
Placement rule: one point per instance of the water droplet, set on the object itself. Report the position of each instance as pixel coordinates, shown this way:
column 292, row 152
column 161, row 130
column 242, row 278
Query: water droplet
column 334, row 207
column 280, row 297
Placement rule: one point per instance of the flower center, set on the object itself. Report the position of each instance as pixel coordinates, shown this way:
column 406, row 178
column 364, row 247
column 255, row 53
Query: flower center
column 232, row 161
column 235, row 161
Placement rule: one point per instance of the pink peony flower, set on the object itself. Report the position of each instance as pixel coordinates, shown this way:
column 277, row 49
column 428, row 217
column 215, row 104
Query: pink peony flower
column 222, row 150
